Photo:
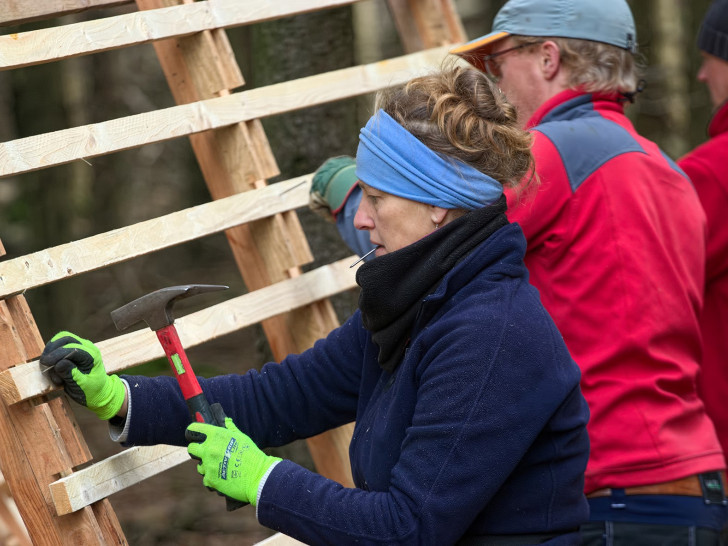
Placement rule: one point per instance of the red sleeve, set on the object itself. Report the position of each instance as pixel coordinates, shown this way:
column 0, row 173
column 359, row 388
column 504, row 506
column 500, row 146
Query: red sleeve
column 714, row 198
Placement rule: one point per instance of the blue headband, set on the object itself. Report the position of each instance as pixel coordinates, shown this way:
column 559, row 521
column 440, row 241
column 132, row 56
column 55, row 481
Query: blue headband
column 392, row 160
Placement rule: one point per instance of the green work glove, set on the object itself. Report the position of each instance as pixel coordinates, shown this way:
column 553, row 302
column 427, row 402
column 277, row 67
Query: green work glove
column 76, row 364
column 331, row 183
column 230, row 462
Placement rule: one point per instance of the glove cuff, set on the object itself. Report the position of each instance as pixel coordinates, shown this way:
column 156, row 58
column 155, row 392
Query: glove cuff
column 110, row 399
column 260, row 476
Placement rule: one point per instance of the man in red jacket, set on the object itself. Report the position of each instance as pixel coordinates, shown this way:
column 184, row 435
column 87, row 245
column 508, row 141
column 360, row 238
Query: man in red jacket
column 708, row 169
column 616, row 247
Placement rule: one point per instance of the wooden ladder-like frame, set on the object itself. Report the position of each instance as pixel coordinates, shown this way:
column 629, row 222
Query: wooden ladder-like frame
column 42, row 444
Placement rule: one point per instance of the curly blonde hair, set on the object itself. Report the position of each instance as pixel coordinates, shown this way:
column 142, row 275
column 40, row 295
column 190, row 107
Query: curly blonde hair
column 459, row 113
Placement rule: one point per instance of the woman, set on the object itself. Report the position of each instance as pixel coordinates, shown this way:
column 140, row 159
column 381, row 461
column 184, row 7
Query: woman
column 470, row 424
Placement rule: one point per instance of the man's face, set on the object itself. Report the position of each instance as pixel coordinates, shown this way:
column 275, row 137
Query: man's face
column 518, row 76
column 714, row 74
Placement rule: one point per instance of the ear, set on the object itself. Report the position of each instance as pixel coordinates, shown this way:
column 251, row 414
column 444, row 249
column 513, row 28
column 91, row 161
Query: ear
column 437, row 215
column 550, row 60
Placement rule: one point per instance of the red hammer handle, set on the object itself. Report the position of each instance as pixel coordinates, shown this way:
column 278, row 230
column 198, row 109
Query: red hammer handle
column 188, row 384
column 178, row 361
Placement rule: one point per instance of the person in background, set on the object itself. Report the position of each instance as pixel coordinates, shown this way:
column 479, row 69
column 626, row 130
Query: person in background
column 470, row 422
column 616, row 248
column 707, row 167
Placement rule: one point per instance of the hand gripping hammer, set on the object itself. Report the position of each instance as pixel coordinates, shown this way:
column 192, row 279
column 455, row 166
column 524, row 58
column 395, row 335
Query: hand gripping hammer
column 155, row 309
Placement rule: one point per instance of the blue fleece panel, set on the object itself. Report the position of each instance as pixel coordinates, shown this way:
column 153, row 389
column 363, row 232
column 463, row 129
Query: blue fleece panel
column 480, row 430
column 675, row 166
column 585, row 140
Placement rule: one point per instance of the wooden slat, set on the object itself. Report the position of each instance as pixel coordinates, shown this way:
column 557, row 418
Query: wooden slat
column 113, row 474
column 26, row 381
column 423, row 24
column 13, row 12
column 71, row 259
column 62, row 42
column 116, row 473
column 38, row 445
column 279, row 539
column 37, row 152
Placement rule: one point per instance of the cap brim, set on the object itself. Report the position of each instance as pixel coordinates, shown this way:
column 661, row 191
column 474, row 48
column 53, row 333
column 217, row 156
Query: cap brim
column 474, row 50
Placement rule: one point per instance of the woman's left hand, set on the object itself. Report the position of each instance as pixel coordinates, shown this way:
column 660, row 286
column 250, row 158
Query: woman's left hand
column 229, row 460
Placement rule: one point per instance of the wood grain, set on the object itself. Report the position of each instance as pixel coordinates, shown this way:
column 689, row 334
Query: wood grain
column 78, row 257
column 13, row 12
column 26, row 381
column 77, row 143
column 87, row 37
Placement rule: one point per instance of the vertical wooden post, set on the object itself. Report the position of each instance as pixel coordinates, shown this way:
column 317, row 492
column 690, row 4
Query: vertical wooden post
column 40, row 443
column 235, row 159
column 423, row 24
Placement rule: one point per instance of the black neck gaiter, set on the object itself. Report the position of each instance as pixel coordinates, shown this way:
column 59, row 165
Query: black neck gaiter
column 394, row 285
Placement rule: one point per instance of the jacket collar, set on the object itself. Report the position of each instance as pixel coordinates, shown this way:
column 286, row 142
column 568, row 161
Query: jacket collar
column 568, row 99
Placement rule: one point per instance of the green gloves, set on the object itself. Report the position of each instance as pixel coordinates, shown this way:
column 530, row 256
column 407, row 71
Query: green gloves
column 76, row 364
column 331, row 183
column 230, row 462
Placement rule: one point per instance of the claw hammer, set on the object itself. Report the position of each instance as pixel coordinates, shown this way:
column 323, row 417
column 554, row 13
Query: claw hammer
column 155, row 309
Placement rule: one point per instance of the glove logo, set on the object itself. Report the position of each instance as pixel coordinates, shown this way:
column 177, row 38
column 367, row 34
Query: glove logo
column 229, row 450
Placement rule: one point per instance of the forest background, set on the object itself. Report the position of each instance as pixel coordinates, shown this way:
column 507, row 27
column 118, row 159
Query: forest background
column 54, row 206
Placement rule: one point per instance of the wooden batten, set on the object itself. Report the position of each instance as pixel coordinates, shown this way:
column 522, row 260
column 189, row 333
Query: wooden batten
column 112, row 475
column 14, row 12
column 27, row 381
column 87, row 37
column 122, row 244
column 77, row 143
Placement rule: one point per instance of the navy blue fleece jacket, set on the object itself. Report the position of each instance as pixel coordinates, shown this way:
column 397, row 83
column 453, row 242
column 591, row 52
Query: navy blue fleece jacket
column 479, row 431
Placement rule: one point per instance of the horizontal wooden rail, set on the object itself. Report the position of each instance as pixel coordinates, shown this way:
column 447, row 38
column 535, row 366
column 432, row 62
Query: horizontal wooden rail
column 62, row 42
column 59, row 147
column 113, row 474
column 119, row 245
column 13, row 12
column 279, row 539
column 26, row 381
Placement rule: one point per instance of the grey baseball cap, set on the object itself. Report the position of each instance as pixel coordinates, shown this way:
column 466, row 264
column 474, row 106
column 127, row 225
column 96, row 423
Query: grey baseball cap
column 607, row 21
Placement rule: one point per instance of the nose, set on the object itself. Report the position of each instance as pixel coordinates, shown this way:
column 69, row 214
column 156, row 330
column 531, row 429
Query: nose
column 701, row 76
column 362, row 218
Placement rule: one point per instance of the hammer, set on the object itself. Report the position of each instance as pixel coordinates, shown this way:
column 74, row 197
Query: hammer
column 155, row 309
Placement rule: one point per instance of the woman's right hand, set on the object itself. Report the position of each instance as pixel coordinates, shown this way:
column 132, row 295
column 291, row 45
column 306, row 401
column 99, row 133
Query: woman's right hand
column 76, row 364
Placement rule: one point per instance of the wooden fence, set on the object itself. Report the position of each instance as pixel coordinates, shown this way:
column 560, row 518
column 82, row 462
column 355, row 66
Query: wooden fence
column 42, row 447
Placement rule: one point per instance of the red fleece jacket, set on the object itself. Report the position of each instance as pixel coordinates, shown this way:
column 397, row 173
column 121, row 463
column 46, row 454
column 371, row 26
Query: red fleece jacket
column 616, row 247
column 708, row 168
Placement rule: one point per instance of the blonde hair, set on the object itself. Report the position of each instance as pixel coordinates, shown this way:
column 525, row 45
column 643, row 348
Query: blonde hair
column 460, row 113
column 595, row 66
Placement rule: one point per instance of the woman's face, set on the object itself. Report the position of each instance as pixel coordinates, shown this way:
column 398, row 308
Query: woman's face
column 393, row 222
column 714, row 74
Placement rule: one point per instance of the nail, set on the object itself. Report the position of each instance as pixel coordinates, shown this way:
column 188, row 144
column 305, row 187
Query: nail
column 360, row 259
column 301, row 183
column 69, row 355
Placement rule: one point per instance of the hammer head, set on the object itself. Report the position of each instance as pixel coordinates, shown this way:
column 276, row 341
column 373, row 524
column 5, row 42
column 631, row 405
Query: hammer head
column 156, row 307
